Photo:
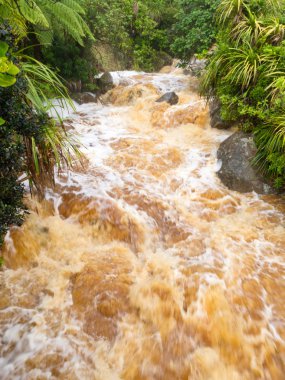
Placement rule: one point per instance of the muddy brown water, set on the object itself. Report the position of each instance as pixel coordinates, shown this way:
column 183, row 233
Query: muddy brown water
column 142, row 265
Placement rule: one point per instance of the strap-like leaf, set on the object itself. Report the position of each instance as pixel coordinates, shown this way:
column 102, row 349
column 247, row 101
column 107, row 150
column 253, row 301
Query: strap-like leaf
column 6, row 80
column 3, row 48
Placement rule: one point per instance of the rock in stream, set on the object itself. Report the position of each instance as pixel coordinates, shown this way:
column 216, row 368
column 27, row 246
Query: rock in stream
column 237, row 171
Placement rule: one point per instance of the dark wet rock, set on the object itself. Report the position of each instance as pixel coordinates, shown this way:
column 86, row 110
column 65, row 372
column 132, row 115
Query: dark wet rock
column 195, row 67
column 105, row 82
column 237, row 171
column 215, row 115
column 169, row 97
column 163, row 59
column 74, row 86
column 85, row 97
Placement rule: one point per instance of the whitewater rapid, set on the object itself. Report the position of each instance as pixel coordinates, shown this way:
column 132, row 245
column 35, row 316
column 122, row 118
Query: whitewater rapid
column 140, row 264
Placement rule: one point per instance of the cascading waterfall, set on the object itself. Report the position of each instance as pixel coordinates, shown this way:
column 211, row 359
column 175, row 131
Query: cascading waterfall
column 141, row 265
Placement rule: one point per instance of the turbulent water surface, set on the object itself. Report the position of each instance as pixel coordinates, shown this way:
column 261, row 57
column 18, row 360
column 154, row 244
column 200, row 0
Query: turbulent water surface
column 141, row 265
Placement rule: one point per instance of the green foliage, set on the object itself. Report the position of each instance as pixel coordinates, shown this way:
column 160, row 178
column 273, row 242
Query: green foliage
column 11, row 158
column 270, row 138
column 246, row 72
column 138, row 31
column 138, row 34
column 31, row 143
column 9, row 11
column 42, row 82
column 45, row 18
column 8, row 70
column 195, row 28
column 71, row 60
column 64, row 18
column 42, row 21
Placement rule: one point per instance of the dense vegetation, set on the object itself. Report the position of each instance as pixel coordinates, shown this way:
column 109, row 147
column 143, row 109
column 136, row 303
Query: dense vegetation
column 140, row 35
column 247, row 73
column 31, row 143
column 195, row 27
column 134, row 34
column 74, row 36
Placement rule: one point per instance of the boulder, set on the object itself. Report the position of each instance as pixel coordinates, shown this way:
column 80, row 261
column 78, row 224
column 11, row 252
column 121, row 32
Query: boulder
column 162, row 59
column 75, row 86
column 195, row 67
column 168, row 97
column 85, row 97
column 237, row 171
column 215, row 115
column 105, row 82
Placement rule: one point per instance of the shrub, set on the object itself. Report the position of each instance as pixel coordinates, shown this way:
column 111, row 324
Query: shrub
column 31, row 143
column 247, row 73
column 195, row 28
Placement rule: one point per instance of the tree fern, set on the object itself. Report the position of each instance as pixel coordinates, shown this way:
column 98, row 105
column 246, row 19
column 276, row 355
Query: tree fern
column 44, row 37
column 15, row 19
column 69, row 19
column 31, row 12
column 65, row 16
column 74, row 5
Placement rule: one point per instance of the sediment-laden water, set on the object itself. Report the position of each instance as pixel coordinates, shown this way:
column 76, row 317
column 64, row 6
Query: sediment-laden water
column 141, row 265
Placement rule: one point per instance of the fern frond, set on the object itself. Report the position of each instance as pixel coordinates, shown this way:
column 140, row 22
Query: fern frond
column 31, row 12
column 14, row 18
column 44, row 37
column 66, row 17
column 72, row 4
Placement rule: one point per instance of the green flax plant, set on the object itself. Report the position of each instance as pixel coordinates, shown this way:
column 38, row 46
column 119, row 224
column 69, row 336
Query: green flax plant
column 55, row 145
column 246, row 71
column 31, row 143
